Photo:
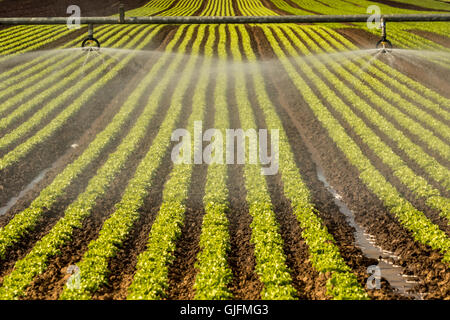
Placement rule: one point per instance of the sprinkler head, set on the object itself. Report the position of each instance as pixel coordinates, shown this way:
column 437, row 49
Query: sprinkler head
column 90, row 44
column 384, row 45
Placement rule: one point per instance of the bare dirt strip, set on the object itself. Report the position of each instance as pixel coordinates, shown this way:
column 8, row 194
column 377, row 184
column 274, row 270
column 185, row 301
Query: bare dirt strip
column 311, row 145
column 180, row 276
column 50, row 284
column 51, row 8
column 387, row 172
column 16, row 177
column 182, row 272
column 245, row 284
column 439, row 39
column 401, row 5
column 302, row 147
column 52, row 215
column 417, row 259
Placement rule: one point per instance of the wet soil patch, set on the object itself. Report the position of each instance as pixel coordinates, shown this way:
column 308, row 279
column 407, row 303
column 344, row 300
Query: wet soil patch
column 334, row 220
column 369, row 211
column 430, row 75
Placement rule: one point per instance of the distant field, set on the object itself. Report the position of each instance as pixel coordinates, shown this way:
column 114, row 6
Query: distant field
column 93, row 207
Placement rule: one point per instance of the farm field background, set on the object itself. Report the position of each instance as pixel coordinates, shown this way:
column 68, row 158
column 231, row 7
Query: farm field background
column 93, row 207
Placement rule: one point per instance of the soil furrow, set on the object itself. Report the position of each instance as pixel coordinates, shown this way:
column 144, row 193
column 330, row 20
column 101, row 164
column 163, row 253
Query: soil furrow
column 123, row 265
column 307, row 281
column 334, row 220
column 432, row 76
column 417, row 259
column 56, row 275
column 182, row 272
column 52, row 215
column 245, row 284
column 17, row 176
column 386, row 171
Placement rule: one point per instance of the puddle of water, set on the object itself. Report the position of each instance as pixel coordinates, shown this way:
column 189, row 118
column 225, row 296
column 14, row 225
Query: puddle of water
column 31, row 185
column 366, row 242
column 12, row 202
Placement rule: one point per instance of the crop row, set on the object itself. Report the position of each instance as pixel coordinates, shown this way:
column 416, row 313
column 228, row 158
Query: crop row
column 110, row 66
column 13, row 75
column 12, row 31
column 268, row 243
column 213, row 272
column 430, row 4
column 45, row 60
column 28, row 218
column 94, row 264
column 218, row 8
column 142, row 11
column 10, row 42
column 34, row 43
column 270, row 259
column 323, row 251
column 42, row 76
column 253, row 8
column 418, row 92
column 34, row 39
column 40, row 40
column 395, row 79
column 437, row 171
column 400, row 30
column 77, row 71
column 416, row 184
column 152, row 269
column 382, row 86
column 420, row 226
column 160, row 4
column 77, row 211
column 184, row 8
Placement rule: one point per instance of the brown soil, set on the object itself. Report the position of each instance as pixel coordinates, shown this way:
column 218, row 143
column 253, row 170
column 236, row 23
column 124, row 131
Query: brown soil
column 307, row 281
column 123, row 265
column 438, row 38
column 245, row 284
column 401, row 5
column 182, row 272
column 51, row 217
column 437, row 80
column 55, row 276
column 58, row 8
column 311, row 145
column 334, row 220
column 370, row 212
column 17, row 176
column 387, row 139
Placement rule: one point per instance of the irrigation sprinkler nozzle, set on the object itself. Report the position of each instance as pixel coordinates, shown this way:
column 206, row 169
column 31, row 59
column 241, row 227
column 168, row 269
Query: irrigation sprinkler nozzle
column 90, row 43
column 384, row 45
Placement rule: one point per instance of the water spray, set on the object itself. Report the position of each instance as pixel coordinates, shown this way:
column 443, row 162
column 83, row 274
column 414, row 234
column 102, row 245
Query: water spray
column 384, row 44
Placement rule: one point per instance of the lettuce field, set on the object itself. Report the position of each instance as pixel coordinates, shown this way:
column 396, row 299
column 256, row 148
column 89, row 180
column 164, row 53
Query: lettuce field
column 93, row 206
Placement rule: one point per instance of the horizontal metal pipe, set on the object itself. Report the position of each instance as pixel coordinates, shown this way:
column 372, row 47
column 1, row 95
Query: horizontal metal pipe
column 228, row 20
